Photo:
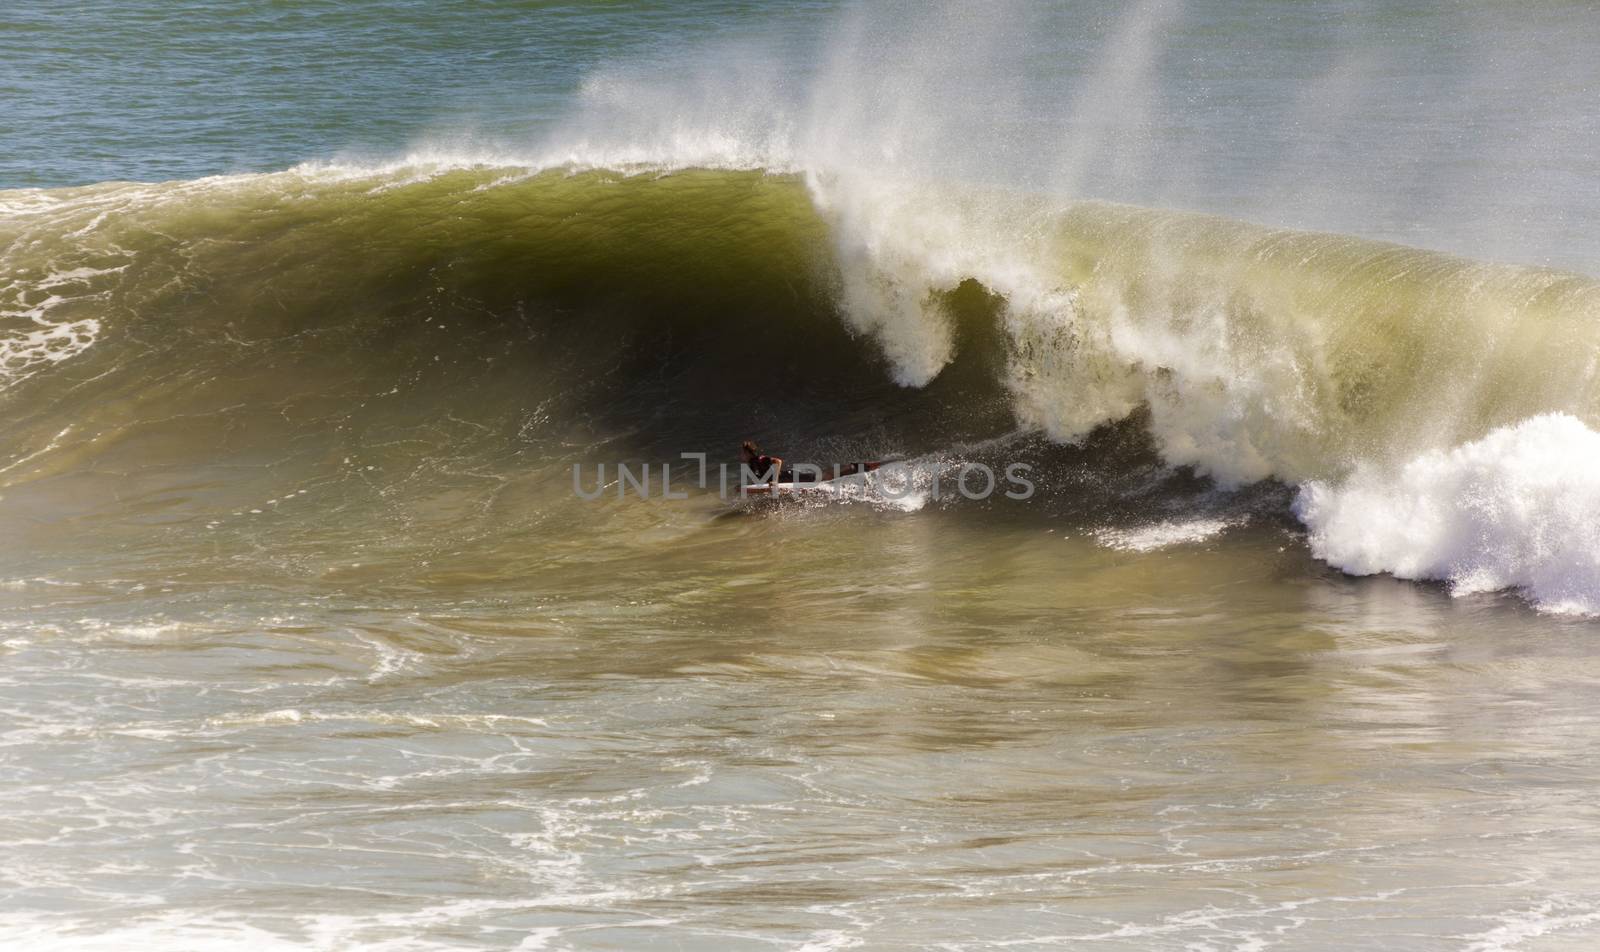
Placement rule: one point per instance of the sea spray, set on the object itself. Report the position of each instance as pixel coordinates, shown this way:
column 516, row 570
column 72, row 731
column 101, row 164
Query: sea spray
column 1518, row 509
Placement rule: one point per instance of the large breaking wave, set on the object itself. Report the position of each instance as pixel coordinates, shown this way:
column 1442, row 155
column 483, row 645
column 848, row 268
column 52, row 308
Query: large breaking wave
column 522, row 300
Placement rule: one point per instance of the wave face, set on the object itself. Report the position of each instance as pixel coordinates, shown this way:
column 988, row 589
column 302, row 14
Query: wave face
column 495, row 315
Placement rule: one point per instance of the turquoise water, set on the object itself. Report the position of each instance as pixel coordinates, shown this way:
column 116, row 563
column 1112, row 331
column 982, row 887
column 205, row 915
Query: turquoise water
column 309, row 311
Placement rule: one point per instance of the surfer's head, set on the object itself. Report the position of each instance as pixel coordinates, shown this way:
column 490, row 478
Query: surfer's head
column 749, row 451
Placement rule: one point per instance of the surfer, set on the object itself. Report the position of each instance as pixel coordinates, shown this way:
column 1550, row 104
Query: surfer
column 772, row 469
column 768, row 469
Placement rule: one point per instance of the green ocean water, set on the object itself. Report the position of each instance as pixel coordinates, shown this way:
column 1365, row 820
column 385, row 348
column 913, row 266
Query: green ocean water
column 318, row 319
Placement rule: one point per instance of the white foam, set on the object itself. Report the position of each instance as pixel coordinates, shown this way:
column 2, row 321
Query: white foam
column 22, row 352
column 19, row 584
column 1517, row 509
column 32, row 335
column 172, row 933
column 1517, row 928
column 1163, row 534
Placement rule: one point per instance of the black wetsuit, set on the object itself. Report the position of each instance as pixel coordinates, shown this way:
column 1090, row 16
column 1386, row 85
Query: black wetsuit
column 763, row 465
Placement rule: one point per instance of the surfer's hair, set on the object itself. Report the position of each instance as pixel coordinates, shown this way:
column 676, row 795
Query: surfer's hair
column 749, row 446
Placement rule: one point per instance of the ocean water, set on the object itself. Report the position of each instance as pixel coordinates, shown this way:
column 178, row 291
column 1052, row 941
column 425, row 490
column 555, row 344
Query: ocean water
column 319, row 321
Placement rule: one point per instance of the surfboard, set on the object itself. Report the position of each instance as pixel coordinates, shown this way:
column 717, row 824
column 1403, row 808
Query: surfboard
column 775, row 489
column 819, row 486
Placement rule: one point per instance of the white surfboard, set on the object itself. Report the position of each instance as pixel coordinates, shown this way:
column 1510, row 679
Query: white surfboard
column 819, row 486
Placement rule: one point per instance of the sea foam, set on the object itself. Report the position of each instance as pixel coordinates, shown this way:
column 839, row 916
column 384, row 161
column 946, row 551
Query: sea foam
column 1517, row 509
